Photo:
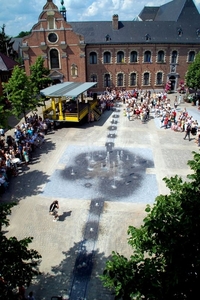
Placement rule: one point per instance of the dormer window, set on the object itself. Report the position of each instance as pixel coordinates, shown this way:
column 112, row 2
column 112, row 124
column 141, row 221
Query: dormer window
column 198, row 32
column 180, row 32
column 107, row 38
column 147, row 37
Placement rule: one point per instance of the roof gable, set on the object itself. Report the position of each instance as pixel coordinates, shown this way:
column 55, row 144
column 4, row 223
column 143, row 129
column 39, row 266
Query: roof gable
column 6, row 63
column 149, row 13
column 175, row 10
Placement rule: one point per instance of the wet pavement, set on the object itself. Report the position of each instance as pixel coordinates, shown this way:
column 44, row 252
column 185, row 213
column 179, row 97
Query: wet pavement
column 103, row 174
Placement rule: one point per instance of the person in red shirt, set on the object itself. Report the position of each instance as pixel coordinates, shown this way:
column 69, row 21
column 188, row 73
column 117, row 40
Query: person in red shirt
column 166, row 119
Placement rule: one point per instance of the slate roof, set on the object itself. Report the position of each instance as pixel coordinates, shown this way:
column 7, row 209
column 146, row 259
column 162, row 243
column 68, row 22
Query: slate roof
column 135, row 32
column 6, row 63
column 149, row 13
column 164, row 29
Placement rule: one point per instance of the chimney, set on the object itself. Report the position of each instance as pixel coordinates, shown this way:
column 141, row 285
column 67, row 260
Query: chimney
column 115, row 25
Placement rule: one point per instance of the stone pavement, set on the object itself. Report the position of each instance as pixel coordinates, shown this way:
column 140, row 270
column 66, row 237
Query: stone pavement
column 77, row 165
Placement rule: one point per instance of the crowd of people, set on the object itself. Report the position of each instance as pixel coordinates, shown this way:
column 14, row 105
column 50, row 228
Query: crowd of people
column 17, row 150
column 139, row 104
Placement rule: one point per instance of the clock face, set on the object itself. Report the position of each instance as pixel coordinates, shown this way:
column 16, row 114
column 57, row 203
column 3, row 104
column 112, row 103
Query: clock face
column 52, row 37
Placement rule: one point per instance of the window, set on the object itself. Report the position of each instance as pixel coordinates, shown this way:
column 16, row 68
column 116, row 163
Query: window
column 93, row 58
column 147, row 56
column 107, row 38
column 93, row 78
column 161, row 56
column 51, row 22
column 107, row 80
column 133, row 57
column 52, row 37
column 107, row 57
column 120, row 78
column 120, row 57
column 74, row 70
column 146, row 79
column 54, row 59
column 147, row 37
column 159, row 79
column 191, row 56
column 133, row 79
column 174, row 57
column 180, row 32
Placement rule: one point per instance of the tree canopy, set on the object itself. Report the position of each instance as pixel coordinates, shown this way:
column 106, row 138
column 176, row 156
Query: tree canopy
column 18, row 263
column 23, row 91
column 165, row 263
column 18, row 91
column 23, row 33
column 193, row 74
column 6, row 43
column 39, row 75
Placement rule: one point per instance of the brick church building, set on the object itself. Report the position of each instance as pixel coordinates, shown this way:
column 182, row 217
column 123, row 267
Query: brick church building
column 152, row 49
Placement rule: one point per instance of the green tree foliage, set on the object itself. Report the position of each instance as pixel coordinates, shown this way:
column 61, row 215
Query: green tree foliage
column 165, row 263
column 23, row 33
column 22, row 92
column 18, row 91
column 193, row 74
column 18, row 263
column 6, row 45
column 4, row 113
column 39, row 76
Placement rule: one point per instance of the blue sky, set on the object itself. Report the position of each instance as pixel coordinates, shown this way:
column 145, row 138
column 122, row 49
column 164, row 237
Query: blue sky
column 21, row 15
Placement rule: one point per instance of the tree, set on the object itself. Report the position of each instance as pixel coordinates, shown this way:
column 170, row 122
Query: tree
column 39, row 76
column 23, row 33
column 193, row 74
column 166, row 249
column 21, row 92
column 4, row 112
column 18, row 263
column 6, row 45
column 18, row 90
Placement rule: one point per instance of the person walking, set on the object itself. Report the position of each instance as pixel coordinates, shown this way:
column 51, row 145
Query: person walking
column 188, row 130
column 30, row 296
column 53, row 210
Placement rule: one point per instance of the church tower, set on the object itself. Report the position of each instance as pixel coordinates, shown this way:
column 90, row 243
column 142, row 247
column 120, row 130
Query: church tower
column 63, row 10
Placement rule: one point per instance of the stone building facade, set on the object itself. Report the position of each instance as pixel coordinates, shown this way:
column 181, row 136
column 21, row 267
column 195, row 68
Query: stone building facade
column 154, row 48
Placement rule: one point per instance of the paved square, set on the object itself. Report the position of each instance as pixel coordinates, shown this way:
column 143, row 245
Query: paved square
column 124, row 175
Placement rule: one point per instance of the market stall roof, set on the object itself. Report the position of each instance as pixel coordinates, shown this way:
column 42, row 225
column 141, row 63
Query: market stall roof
column 67, row 89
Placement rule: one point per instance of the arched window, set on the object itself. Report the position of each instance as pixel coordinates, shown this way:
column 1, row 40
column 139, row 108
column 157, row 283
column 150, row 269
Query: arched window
column 133, row 56
column 120, row 79
column 147, row 56
column 120, row 57
column 146, row 79
column 191, row 56
column 54, row 59
column 107, row 80
column 174, row 57
column 159, row 78
column 133, row 79
column 74, row 70
column 107, row 57
column 93, row 78
column 161, row 56
column 93, row 58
